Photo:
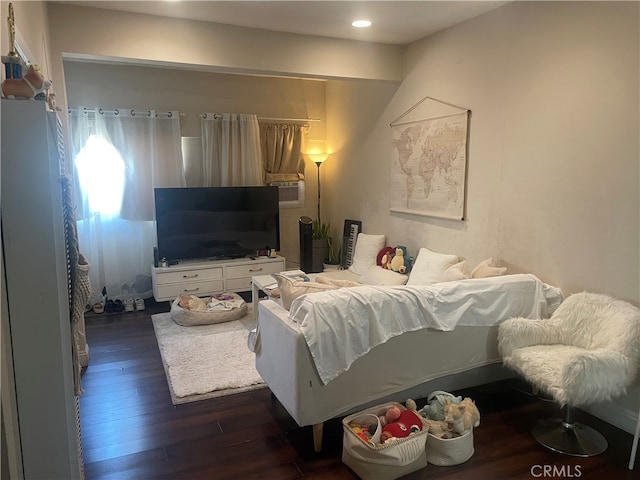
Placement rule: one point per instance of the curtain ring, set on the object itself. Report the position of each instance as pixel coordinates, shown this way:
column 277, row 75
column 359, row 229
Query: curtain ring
column 101, row 111
column 132, row 112
column 117, row 112
column 149, row 113
column 170, row 114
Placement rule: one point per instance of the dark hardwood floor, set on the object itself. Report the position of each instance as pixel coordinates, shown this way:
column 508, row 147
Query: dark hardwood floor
column 131, row 430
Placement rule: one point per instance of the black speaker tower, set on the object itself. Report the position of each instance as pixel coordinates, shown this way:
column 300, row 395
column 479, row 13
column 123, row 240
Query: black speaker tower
column 306, row 244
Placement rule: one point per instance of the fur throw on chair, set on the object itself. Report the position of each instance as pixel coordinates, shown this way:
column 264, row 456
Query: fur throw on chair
column 588, row 351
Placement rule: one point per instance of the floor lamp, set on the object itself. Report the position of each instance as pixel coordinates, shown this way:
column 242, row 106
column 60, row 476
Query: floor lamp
column 318, row 159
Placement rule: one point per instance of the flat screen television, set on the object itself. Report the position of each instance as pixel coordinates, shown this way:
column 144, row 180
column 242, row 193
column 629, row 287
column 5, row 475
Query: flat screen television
column 216, row 222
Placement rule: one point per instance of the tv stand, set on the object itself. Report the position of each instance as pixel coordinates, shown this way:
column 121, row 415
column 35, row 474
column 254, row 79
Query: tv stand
column 206, row 277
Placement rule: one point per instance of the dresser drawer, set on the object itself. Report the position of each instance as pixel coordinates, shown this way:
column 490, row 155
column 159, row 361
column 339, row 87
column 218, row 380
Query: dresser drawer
column 239, row 284
column 242, row 271
column 199, row 289
column 195, row 275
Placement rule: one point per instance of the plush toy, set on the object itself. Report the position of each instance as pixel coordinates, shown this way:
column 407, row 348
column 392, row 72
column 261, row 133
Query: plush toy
column 439, row 429
column 32, row 84
column 384, row 257
column 392, row 414
column 408, row 422
column 461, row 417
column 400, row 261
column 434, row 410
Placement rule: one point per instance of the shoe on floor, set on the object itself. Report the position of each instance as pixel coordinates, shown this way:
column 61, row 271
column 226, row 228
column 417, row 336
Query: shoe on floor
column 110, row 306
column 119, row 306
column 98, row 308
column 140, row 304
column 129, row 306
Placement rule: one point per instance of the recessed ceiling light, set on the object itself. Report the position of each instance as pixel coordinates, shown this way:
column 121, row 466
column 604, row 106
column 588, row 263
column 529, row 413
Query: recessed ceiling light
column 361, row 23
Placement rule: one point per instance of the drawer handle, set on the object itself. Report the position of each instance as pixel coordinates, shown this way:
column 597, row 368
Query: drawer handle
column 259, row 269
column 190, row 276
column 191, row 289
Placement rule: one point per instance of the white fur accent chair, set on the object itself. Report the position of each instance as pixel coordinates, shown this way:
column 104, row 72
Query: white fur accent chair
column 587, row 352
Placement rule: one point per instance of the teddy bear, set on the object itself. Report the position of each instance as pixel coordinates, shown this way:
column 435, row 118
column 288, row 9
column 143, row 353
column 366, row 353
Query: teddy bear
column 400, row 261
column 29, row 86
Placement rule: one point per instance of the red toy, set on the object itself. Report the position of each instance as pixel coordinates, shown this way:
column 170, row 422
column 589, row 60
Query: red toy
column 407, row 423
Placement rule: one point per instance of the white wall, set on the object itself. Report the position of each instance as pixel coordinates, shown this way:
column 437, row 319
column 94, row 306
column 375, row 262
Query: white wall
column 553, row 168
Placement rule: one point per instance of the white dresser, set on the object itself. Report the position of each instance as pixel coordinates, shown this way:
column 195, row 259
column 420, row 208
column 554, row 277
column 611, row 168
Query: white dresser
column 202, row 278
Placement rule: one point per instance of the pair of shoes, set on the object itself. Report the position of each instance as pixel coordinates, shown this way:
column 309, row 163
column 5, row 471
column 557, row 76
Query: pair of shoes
column 139, row 304
column 129, row 306
column 114, row 306
column 98, row 308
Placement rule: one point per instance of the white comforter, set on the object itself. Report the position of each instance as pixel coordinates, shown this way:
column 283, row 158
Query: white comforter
column 342, row 325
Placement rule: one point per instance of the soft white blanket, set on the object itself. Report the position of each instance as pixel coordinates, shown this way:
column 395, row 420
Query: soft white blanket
column 342, row 325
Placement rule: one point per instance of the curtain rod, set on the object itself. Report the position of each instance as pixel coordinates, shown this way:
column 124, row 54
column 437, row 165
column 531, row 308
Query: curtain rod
column 130, row 111
column 275, row 119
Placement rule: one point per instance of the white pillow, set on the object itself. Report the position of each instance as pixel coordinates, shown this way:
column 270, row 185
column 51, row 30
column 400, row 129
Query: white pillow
column 366, row 252
column 430, row 266
column 381, row 276
column 459, row 271
column 488, row 268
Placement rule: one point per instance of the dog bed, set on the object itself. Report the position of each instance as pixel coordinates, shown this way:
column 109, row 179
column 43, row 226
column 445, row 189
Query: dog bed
column 221, row 307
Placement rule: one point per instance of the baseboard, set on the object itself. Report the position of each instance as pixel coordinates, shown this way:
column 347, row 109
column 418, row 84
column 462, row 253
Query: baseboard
column 616, row 415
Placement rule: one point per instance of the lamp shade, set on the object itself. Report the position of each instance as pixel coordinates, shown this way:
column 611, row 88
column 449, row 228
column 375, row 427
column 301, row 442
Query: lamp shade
column 317, row 158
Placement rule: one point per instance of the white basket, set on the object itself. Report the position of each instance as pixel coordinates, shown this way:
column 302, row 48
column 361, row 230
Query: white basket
column 382, row 461
column 449, row 451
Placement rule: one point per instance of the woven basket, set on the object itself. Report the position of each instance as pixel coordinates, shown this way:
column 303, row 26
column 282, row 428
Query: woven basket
column 449, row 451
column 385, row 461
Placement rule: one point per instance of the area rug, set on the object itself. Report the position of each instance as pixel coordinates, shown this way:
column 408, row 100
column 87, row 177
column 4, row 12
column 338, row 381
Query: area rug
column 206, row 361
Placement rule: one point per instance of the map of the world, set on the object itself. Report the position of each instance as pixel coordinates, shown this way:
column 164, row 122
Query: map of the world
column 428, row 166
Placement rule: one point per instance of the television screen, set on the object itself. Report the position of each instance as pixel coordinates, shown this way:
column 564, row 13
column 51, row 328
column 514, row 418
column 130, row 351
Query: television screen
column 216, row 222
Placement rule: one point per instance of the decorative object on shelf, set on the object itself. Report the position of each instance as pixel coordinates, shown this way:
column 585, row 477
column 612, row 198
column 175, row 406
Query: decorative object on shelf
column 13, row 64
column 428, row 167
column 32, row 85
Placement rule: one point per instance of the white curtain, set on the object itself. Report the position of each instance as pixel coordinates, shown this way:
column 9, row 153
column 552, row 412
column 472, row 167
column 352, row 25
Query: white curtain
column 232, row 156
column 119, row 157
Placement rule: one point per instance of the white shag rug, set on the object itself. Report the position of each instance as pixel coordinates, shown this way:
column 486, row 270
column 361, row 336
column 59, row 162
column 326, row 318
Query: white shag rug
column 207, row 361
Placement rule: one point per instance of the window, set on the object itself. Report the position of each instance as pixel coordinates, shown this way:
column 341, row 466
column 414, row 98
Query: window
column 101, row 174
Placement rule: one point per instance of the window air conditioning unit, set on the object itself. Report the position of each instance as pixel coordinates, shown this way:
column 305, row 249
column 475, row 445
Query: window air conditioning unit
column 290, row 194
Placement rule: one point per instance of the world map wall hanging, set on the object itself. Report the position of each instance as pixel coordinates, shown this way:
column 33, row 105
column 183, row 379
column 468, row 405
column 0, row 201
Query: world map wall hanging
column 429, row 164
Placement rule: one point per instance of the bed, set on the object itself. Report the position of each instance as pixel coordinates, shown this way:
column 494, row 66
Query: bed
column 394, row 365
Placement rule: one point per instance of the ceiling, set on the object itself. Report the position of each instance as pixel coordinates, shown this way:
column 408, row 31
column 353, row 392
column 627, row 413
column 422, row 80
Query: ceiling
column 394, row 22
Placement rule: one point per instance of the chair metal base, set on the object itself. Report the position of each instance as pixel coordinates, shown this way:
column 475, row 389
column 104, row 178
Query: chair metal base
column 570, row 438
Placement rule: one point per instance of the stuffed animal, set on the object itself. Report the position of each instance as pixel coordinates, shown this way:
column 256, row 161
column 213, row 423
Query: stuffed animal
column 461, row 417
column 408, row 422
column 439, row 429
column 384, row 257
column 434, row 410
column 32, row 84
column 399, row 262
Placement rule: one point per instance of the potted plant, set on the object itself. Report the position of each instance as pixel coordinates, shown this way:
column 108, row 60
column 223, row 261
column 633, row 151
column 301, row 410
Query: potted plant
column 332, row 262
column 320, row 244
